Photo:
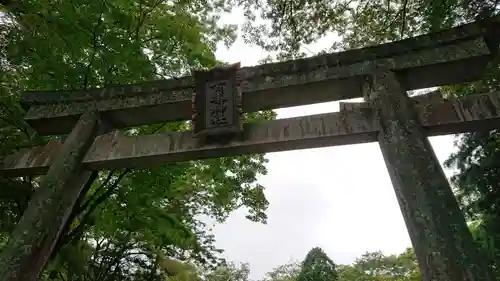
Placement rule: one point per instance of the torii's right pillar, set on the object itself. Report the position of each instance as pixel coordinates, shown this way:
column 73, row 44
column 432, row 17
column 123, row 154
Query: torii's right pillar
column 442, row 242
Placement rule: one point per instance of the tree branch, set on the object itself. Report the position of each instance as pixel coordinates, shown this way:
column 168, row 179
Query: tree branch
column 403, row 19
column 75, row 233
column 84, row 206
column 61, row 276
column 21, row 125
column 74, row 213
column 144, row 17
column 94, row 46
column 115, row 261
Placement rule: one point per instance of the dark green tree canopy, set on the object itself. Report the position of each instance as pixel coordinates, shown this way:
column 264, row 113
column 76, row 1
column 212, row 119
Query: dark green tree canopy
column 126, row 221
column 293, row 24
column 317, row 266
column 129, row 222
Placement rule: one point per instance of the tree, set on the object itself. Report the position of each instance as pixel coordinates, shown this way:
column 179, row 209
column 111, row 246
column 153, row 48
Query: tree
column 402, row 267
column 317, row 266
column 287, row 25
column 285, row 272
column 374, row 266
column 371, row 266
column 126, row 220
column 229, row 272
column 367, row 22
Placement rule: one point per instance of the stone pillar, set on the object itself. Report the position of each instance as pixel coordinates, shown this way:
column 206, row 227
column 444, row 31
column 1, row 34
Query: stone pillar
column 39, row 228
column 441, row 240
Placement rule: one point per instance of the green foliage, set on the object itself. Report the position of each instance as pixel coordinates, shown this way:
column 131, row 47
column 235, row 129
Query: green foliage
column 126, row 221
column 370, row 22
column 317, row 266
column 130, row 221
column 477, row 177
column 372, row 266
column 286, row 272
column 229, row 272
column 177, row 270
column 401, row 267
column 375, row 266
column 292, row 25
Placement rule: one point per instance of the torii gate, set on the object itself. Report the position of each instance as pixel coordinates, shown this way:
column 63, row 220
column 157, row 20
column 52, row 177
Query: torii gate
column 382, row 74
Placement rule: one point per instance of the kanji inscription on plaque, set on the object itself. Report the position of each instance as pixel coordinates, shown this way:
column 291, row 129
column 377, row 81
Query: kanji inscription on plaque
column 218, row 112
column 217, row 102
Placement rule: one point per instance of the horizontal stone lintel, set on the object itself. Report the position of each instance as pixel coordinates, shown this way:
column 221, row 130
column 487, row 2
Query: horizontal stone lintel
column 358, row 125
column 447, row 64
column 430, row 97
column 481, row 28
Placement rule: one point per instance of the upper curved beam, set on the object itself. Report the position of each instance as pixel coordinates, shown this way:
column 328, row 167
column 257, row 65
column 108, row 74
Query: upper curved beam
column 450, row 56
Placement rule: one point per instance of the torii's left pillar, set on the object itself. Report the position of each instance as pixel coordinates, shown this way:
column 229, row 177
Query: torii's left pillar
column 42, row 223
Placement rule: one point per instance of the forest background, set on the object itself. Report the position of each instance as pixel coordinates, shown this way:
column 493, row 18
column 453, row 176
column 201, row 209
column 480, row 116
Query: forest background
column 149, row 224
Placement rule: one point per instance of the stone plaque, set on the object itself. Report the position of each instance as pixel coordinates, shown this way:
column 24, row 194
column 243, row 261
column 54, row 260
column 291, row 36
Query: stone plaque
column 217, row 102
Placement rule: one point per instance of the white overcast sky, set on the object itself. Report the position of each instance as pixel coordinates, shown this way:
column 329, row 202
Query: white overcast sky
column 339, row 198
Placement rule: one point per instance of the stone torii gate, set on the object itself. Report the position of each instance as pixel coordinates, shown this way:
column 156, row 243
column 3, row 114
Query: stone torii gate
column 381, row 74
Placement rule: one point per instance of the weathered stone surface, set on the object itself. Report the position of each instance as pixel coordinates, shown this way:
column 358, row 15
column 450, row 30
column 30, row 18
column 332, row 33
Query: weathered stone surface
column 441, row 240
column 431, row 40
column 447, row 57
column 472, row 113
column 442, row 243
column 36, row 233
column 217, row 102
column 432, row 97
column 278, row 135
column 31, row 158
column 55, row 119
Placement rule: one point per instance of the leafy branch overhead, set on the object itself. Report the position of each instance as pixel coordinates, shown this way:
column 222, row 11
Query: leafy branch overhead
column 126, row 219
column 151, row 224
column 286, row 27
